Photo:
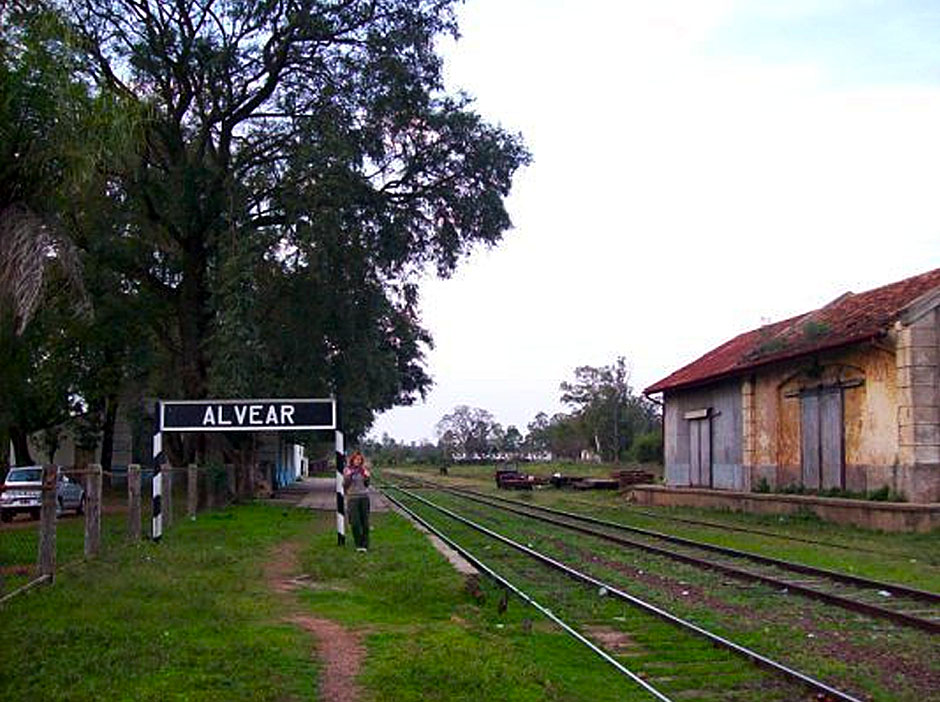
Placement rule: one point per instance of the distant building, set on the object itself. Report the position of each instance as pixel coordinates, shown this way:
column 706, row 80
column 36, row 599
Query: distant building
column 846, row 396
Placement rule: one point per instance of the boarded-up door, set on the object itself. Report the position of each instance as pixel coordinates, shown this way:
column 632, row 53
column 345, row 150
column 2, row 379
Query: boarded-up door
column 821, row 430
column 700, row 452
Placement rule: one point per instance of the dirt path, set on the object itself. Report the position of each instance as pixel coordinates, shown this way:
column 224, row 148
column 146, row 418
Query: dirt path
column 340, row 650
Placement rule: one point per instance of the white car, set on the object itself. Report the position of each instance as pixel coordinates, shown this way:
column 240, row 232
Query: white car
column 21, row 493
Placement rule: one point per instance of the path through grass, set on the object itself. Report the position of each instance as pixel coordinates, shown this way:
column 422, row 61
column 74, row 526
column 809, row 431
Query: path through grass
column 195, row 618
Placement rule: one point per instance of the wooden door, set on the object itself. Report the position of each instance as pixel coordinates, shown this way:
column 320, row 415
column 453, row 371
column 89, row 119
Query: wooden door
column 821, row 427
column 831, row 425
column 809, row 439
column 700, row 452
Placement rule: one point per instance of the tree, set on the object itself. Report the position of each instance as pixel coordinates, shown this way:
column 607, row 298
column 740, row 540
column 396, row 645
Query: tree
column 537, row 439
column 609, row 412
column 512, row 441
column 562, row 435
column 469, row 430
column 300, row 165
column 55, row 132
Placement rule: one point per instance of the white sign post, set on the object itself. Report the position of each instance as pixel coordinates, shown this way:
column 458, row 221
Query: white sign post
column 245, row 415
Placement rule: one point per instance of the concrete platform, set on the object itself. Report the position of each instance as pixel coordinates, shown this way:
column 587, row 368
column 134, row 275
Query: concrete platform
column 884, row 516
column 320, row 494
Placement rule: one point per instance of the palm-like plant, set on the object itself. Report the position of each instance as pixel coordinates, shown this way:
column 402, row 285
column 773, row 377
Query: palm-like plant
column 29, row 246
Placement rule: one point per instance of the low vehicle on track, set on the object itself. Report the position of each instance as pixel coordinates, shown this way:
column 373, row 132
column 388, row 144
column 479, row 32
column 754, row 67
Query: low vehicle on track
column 22, row 493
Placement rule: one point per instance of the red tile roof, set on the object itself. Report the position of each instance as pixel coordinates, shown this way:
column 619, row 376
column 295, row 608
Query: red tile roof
column 848, row 319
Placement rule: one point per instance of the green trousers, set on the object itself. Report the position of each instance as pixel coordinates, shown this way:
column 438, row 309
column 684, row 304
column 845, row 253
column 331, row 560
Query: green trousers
column 359, row 519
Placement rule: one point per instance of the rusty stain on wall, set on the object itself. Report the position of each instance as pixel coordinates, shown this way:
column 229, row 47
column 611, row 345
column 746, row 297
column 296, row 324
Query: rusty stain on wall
column 869, row 406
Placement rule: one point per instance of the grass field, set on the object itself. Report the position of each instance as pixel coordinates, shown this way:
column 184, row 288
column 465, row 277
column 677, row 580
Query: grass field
column 193, row 619
column 428, row 639
column 908, row 558
column 188, row 619
column 838, row 646
column 874, row 659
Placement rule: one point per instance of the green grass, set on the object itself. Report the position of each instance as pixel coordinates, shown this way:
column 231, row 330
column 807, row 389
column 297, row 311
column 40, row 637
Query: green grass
column 678, row 664
column 808, row 635
column 188, row 619
column 545, row 470
column 428, row 639
column 193, row 619
column 908, row 558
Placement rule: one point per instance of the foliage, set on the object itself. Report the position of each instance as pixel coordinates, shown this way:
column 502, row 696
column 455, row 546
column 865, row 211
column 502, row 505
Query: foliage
column 58, row 138
column 245, row 193
column 648, row 447
column 608, row 412
column 389, row 452
column 469, row 431
column 562, row 435
column 300, row 167
column 883, row 494
column 813, row 330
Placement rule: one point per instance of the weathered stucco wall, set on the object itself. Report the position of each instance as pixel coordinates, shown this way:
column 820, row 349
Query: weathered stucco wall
column 724, row 404
column 918, row 343
column 890, row 405
column 870, row 402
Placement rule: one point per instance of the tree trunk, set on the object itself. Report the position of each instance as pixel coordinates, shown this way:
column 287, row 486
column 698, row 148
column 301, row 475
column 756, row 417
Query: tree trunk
column 193, row 319
column 4, row 452
column 107, row 432
column 20, row 441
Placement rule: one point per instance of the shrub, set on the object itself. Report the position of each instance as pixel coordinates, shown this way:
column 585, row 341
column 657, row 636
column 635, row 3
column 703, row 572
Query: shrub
column 648, row 447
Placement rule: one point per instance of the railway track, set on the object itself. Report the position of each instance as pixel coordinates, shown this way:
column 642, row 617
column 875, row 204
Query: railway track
column 761, row 532
column 900, row 604
column 821, row 690
column 525, row 597
column 749, row 530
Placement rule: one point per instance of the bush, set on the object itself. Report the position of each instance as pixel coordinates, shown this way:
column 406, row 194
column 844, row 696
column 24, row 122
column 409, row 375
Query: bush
column 648, row 448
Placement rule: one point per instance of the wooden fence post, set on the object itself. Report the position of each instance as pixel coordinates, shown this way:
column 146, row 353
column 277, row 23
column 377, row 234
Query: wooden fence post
column 93, row 512
column 133, row 502
column 47, row 522
column 192, row 491
column 210, row 488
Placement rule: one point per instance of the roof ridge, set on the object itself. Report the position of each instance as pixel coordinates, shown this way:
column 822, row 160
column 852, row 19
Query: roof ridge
column 849, row 318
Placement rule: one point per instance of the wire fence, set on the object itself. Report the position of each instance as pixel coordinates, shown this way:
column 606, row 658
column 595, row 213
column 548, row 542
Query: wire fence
column 77, row 515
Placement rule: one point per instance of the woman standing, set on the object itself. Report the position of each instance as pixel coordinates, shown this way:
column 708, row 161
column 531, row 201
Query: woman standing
column 356, row 484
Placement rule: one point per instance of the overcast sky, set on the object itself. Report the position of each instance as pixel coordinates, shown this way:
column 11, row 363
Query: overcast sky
column 700, row 167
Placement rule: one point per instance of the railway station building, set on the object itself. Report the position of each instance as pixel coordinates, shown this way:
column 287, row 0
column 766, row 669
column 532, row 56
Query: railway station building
column 844, row 397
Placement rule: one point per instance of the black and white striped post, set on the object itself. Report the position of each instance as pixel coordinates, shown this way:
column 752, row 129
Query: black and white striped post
column 340, row 490
column 157, row 521
column 183, row 416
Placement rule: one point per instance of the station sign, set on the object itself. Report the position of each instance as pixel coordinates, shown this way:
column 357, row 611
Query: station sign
column 247, row 415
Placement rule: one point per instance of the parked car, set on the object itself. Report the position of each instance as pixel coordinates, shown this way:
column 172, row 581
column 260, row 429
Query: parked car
column 21, row 493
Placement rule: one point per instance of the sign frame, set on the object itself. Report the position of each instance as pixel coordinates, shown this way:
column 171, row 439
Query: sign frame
column 163, row 405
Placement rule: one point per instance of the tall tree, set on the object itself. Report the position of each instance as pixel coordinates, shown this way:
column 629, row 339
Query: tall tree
column 607, row 408
column 54, row 133
column 469, row 430
column 301, row 165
